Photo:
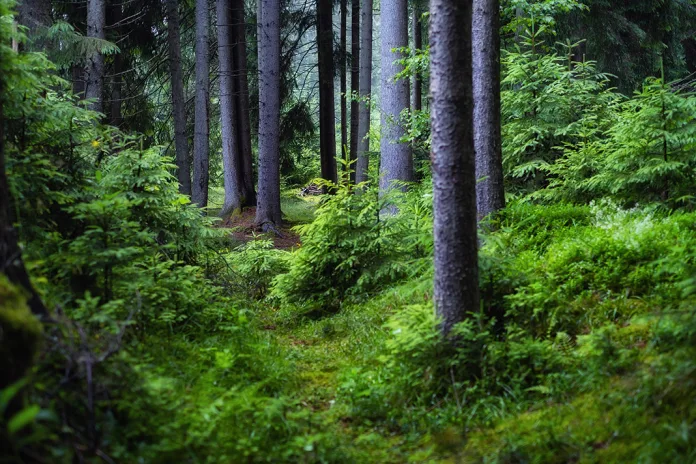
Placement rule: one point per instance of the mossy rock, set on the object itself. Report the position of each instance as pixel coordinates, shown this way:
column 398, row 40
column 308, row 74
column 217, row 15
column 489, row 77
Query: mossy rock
column 20, row 333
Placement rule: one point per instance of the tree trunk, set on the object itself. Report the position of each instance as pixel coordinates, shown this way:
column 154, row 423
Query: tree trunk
column 396, row 162
column 116, row 116
column 268, row 214
column 363, row 149
column 490, row 191
column 342, row 72
column 354, row 84
column 35, row 15
column 327, row 115
column 417, row 96
column 178, row 99
column 228, row 114
column 454, row 185
column 11, row 263
column 94, row 72
column 199, row 191
column 248, row 194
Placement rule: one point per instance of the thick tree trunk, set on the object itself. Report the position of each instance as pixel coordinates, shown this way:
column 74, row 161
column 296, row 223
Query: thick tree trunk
column 248, row 194
column 268, row 214
column 199, row 191
column 94, row 72
column 490, row 191
column 178, row 99
column 327, row 115
column 11, row 263
column 454, row 184
column 417, row 95
column 36, row 16
column 228, row 114
column 362, row 165
column 354, row 84
column 396, row 162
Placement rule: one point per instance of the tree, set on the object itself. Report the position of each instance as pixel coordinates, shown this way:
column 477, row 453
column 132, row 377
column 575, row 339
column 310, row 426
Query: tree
column 417, row 96
column 228, row 111
column 342, row 69
column 454, row 185
column 241, row 87
column 327, row 115
column 490, row 190
column 354, row 83
column 268, row 214
column 94, row 72
column 199, row 190
column 396, row 162
column 362, row 164
column 178, row 99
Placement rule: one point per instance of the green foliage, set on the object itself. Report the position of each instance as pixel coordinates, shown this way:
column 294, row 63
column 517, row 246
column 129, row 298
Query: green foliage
column 256, row 264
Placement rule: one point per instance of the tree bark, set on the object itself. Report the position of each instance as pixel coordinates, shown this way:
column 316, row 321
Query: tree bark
column 342, row 72
column 199, row 191
column 178, row 98
column 490, row 190
column 228, row 114
column 362, row 164
column 268, row 214
column 327, row 115
column 94, row 72
column 417, row 95
column 396, row 162
column 11, row 263
column 248, row 194
column 454, row 185
column 36, row 16
column 354, row 84
column 116, row 115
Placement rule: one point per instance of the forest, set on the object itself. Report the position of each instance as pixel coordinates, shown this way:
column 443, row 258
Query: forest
column 333, row 231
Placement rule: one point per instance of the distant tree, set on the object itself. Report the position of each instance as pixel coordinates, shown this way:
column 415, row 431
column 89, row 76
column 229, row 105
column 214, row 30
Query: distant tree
column 490, row 190
column 241, row 88
column 228, row 111
column 268, row 214
column 396, row 162
column 454, row 184
column 94, row 72
column 178, row 99
column 342, row 76
column 362, row 164
column 201, row 149
column 354, row 83
column 417, row 95
column 327, row 127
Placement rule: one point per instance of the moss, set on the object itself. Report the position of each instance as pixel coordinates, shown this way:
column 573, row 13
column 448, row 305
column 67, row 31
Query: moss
column 20, row 332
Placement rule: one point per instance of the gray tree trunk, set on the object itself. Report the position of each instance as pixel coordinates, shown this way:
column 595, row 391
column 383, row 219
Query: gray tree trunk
column 454, row 185
column 268, row 214
column 354, row 83
column 417, row 95
column 199, row 190
column 362, row 165
column 228, row 114
column 242, row 89
column 490, row 192
column 36, row 16
column 94, row 71
column 327, row 112
column 342, row 77
column 396, row 161
column 178, row 99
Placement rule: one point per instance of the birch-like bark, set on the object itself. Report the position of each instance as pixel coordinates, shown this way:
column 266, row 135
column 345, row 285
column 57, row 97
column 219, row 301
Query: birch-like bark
column 456, row 288
column 362, row 164
column 94, row 71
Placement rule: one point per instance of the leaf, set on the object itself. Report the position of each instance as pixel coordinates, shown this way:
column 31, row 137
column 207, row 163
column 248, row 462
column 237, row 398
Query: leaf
column 23, row 418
